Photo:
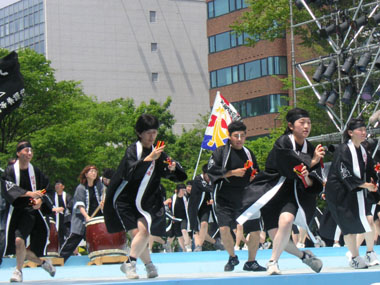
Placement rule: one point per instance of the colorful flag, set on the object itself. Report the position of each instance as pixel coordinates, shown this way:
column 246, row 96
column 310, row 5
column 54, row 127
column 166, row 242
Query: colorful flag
column 222, row 114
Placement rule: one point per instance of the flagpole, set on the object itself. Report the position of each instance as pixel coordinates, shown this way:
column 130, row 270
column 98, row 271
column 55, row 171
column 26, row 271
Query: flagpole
column 196, row 166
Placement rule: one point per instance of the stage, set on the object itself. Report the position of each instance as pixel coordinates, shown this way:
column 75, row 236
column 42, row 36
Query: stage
column 205, row 268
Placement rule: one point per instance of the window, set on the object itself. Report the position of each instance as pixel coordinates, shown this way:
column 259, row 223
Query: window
column 153, row 47
column 152, row 16
column 154, row 76
column 220, row 7
column 275, row 65
column 261, row 105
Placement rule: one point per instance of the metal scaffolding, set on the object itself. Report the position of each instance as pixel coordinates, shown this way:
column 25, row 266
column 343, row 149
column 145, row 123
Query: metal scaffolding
column 353, row 35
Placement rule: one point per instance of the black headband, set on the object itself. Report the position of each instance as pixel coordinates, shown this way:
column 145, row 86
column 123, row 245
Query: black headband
column 22, row 146
column 355, row 125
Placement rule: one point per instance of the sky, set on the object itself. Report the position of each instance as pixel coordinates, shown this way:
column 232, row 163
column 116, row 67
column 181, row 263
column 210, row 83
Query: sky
column 4, row 3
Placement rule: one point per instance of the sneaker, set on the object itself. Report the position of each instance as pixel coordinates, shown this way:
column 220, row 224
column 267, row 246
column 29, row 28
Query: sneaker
column 358, row 263
column 232, row 262
column 253, row 266
column 151, row 270
column 167, row 247
column 188, row 248
column 336, row 244
column 16, row 276
column 371, row 259
column 320, row 242
column 236, row 247
column 218, row 244
column 198, row 248
column 266, row 245
column 129, row 269
column 48, row 267
column 313, row 262
column 349, row 255
column 300, row 245
column 272, row 268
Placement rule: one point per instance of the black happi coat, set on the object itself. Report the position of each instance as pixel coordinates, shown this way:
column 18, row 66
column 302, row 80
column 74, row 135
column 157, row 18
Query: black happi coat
column 199, row 192
column 279, row 176
column 39, row 237
column 345, row 199
column 218, row 162
column 128, row 177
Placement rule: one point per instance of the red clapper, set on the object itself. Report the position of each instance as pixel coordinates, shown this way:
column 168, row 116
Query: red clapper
column 31, row 200
column 377, row 167
column 298, row 170
column 168, row 161
column 160, row 144
column 249, row 164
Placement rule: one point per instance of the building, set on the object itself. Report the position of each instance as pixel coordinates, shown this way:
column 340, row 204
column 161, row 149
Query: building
column 243, row 74
column 140, row 49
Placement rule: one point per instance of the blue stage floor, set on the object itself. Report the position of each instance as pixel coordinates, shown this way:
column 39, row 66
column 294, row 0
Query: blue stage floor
column 206, row 268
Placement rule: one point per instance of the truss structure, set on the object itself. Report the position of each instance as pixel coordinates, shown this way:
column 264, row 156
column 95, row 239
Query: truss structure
column 351, row 34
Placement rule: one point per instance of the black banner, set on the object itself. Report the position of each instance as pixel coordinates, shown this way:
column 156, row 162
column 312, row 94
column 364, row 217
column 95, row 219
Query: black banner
column 11, row 84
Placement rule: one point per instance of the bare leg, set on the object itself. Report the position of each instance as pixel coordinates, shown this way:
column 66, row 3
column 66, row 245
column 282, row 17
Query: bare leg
column 182, row 243
column 228, row 241
column 209, row 239
column 350, row 241
column 201, row 235
column 281, row 237
column 140, row 239
column 370, row 236
column 253, row 243
column 239, row 235
column 186, row 237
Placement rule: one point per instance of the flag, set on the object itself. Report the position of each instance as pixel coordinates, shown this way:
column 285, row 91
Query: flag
column 222, row 114
column 11, row 84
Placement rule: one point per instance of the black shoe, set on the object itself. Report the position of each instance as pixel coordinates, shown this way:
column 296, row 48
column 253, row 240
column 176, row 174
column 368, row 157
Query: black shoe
column 232, row 262
column 253, row 266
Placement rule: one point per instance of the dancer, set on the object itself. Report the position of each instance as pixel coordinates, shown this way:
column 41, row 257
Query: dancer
column 284, row 193
column 350, row 178
column 134, row 201
column 200, row 209
column 226, row 169
column 26, row 206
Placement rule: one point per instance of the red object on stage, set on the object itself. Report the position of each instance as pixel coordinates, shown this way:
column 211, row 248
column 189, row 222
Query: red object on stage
column 377, row 167
column 298, row 170
column 100, row 242
column 53, row 246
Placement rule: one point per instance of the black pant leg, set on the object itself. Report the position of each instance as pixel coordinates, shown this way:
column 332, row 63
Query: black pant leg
column 70, row 245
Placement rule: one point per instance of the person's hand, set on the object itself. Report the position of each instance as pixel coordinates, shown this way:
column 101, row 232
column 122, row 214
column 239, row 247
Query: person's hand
column 172, row 166
column 58, row 209
column 210, row 202
column 319, row 153
column 87, row 218
column 372, row 187
column 101, row 204
column 239, row 172
column 155, row 154
column 37, row 203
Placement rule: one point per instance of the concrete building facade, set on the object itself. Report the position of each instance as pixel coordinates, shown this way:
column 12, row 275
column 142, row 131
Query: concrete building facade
column 140, row 49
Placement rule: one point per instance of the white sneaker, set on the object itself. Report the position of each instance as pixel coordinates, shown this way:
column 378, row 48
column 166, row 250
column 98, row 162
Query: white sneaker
column 358, row 263
column 300, row 245
column 48, row 267
column 371, row 259
column 16, row 276
column 167, row 247
column 336, row 244
column 272, row 268
column 236, row 247
column 267, row 245
column 188, row 248
column 151, row 270
column 349, row 255
column 129, row 269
